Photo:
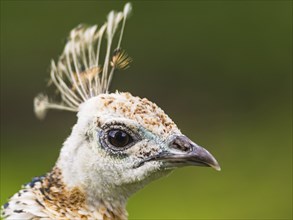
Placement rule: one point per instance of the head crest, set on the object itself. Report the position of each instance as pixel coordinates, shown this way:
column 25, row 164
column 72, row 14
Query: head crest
column 81, row 72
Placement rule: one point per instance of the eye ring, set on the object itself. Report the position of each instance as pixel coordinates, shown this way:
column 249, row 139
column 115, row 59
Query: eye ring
column 127, row 135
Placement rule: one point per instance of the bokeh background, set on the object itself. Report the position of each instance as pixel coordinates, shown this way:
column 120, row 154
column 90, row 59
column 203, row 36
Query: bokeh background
column 221, row 69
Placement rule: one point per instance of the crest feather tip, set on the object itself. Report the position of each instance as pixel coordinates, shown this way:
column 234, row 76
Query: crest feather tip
column 41, row 106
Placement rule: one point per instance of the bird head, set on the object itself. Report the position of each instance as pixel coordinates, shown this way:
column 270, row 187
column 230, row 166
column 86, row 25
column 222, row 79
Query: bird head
column 122, row 142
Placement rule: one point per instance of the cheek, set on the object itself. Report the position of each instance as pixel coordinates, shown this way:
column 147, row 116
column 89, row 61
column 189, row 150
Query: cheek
column 144, row 174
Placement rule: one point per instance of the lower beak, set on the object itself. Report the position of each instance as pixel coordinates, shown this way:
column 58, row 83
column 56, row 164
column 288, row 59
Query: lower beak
column 183, row 152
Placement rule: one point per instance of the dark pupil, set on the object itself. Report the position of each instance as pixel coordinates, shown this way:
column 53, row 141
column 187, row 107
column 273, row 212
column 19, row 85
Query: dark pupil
column 119, row 138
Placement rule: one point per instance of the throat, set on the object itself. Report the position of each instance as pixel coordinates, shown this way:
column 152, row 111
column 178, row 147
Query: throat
column 74, row 202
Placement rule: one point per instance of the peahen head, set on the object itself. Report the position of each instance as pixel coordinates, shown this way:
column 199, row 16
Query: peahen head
column 120, row 142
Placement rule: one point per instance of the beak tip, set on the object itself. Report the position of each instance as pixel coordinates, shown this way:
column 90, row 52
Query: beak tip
column 217, row 167
column 215, row 164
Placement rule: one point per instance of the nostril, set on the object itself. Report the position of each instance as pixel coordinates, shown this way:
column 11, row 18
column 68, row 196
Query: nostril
column 181, row 143
column 180, row 147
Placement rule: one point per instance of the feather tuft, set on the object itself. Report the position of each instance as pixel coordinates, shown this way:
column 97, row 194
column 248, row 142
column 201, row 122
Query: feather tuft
column 79, row 73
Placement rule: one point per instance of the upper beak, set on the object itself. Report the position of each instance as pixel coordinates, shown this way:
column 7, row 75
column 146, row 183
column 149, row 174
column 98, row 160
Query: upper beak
column 183, row 152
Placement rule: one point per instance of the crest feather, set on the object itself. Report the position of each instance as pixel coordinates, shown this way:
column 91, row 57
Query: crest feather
column 81, row 72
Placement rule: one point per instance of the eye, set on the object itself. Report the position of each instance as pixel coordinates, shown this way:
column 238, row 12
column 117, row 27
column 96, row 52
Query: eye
column 119, row 138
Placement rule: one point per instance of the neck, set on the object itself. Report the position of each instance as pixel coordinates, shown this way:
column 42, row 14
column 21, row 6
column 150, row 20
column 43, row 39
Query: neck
column 75, row 202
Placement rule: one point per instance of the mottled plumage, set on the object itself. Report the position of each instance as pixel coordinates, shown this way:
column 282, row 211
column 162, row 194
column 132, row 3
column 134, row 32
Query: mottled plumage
column 47, row 197
column 119, row 144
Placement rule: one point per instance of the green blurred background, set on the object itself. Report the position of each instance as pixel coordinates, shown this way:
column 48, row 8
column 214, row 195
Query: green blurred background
column 220, row 69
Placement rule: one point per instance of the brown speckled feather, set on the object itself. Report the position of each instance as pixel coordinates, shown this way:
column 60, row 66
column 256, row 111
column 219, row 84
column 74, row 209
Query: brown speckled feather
column 48, row 198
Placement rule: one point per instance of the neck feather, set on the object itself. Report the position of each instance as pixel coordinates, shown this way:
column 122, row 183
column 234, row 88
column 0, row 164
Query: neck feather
column 73, row 202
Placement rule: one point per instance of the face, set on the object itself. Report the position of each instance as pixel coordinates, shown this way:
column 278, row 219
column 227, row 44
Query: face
column 130, row 141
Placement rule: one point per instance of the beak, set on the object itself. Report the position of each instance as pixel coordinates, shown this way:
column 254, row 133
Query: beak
column 183, row 152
